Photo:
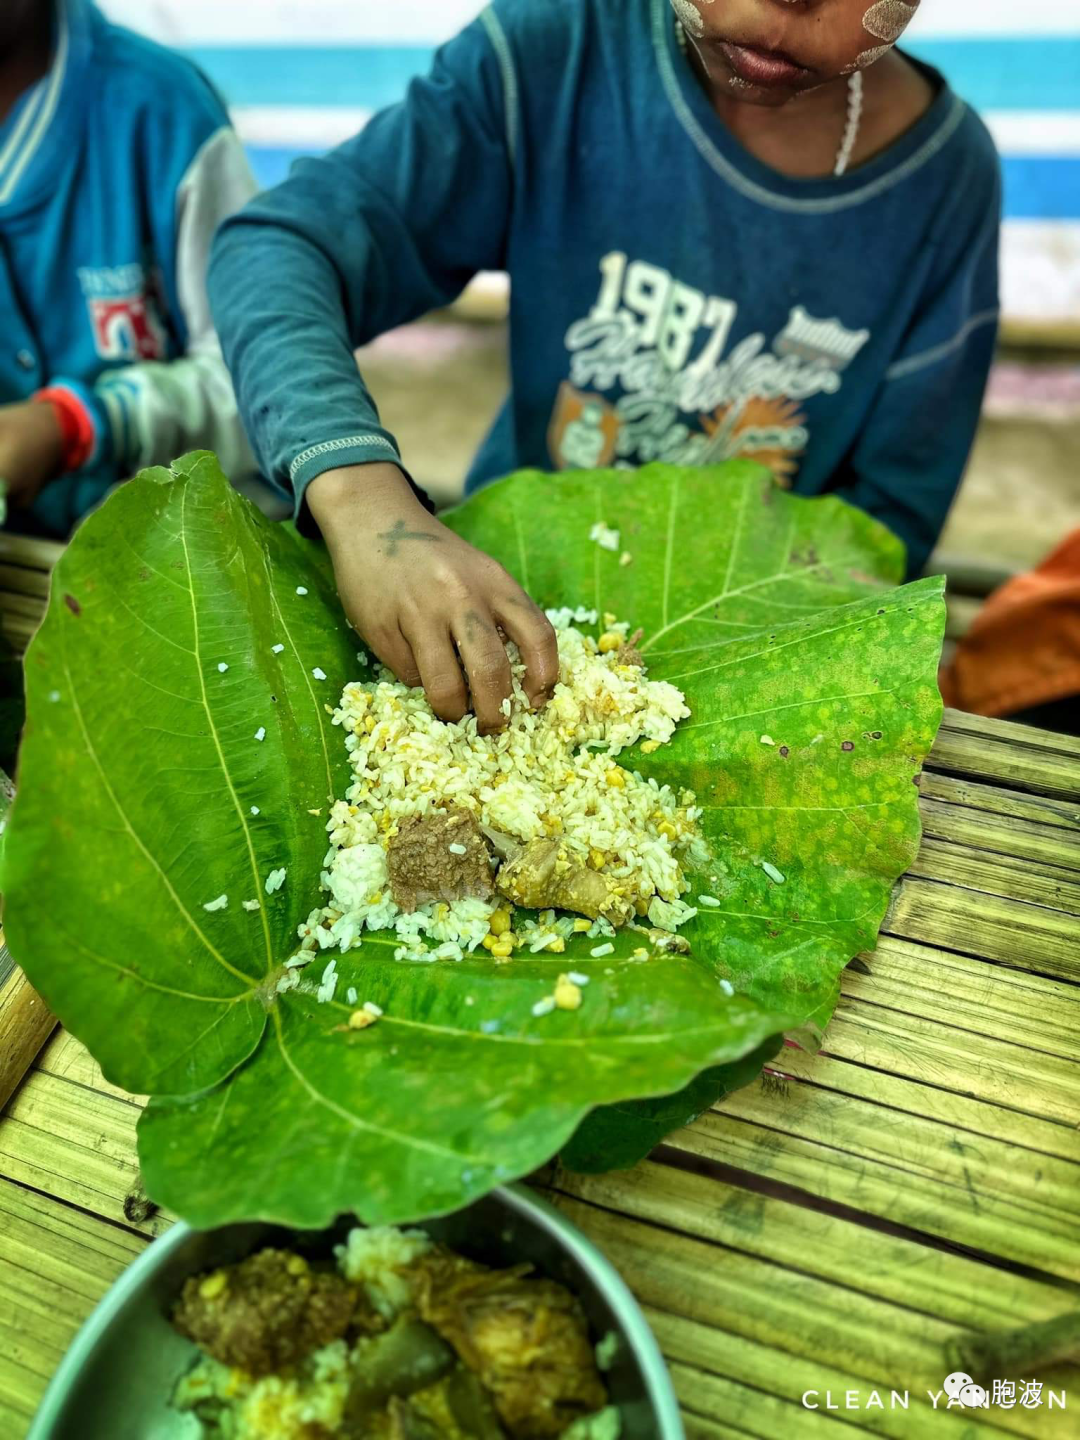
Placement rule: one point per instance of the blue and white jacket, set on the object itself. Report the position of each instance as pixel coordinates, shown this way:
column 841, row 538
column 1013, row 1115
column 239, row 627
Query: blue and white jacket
column 115, row 171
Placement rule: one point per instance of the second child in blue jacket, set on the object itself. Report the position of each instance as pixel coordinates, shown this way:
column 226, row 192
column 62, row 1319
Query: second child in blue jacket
column 117, row 164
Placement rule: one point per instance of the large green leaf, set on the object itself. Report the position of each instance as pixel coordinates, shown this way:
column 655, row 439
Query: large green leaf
column 140, row 770
column 616, row 1137
column 778, row 619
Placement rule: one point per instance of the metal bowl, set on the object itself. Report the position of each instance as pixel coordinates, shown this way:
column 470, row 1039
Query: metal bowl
column 116, row 1380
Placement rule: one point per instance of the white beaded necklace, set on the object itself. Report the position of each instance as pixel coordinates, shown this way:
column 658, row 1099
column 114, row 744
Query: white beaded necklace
column 854, row 109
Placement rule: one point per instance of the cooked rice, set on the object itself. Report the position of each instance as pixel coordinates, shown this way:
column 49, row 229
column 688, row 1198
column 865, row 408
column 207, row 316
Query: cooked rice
column 551, row 773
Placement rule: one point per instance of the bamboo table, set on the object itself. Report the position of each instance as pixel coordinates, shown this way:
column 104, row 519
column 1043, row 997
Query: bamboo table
column 826, row 1233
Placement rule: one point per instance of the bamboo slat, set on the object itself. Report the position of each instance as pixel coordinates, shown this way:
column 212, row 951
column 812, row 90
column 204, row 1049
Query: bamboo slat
column 1015, row 755
column 1030, row 1082
column 959, row 991
column 794, row 1318
column 17, row 630
column 77, row 1145
column 68, row 1059
column 744, row 1406
column 21, row 606
column 1040, row 334
column 972, row 922
column 1052, row 885
column 698, row 1428
column 29, row 551
column 741, row 1392
column 1001, row 801
column 971, row 1190
column 25, row 1024
column 961, row 1291
column 26, row 565
column 988, row 732
column 996, row 834
column 18, row 580
column 868, row 1072
column 57, row 1262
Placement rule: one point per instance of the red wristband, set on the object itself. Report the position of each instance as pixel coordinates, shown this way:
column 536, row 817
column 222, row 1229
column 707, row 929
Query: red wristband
column 77, row 433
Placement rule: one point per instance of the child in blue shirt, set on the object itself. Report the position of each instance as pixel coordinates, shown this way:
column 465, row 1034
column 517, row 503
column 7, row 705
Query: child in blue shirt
column 117, row 164
column 732, row 227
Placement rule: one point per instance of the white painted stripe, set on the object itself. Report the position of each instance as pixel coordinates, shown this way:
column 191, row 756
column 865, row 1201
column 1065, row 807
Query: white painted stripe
column 1035, row 132
column 421, row 22
column 298, row 127
column 967, row 19
column 296, row 22
column 1040, row 270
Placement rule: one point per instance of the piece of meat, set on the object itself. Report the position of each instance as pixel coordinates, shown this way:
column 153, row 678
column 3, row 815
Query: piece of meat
column 424, row 869
column 266, row 1313
column 526, row 1340
column 629, row 654
column 543, row 875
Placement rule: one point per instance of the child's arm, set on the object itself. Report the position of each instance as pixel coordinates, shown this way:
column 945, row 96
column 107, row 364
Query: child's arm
column 909, row 460
column 156, row 411
column 426, row 597
column 389, row 226
column 148, row 413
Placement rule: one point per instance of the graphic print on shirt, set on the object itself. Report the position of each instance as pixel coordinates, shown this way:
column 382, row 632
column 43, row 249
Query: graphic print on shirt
column 652, row 378
column 124, row 313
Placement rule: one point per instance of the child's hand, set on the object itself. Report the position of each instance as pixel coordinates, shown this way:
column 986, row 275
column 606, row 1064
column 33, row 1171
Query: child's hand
column 31, row 449
column 426, row 602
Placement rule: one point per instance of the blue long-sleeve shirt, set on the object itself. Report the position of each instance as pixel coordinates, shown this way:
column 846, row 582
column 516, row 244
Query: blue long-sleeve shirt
column 115, row 171
column 672, row 297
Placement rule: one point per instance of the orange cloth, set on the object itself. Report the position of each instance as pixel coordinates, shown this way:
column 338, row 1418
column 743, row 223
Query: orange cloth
column 1024, row 647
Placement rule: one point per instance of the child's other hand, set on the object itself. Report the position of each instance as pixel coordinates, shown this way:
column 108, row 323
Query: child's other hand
column 31, row 449
column 427, row 602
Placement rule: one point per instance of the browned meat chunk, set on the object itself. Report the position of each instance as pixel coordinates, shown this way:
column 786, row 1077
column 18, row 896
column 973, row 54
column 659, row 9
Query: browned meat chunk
column 526, row 1340
column 265, row 1313
column 423, row 868
column 543, row 875
column 629, row 654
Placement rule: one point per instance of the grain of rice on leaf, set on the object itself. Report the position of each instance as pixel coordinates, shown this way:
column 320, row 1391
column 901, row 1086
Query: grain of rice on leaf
column 144, row 795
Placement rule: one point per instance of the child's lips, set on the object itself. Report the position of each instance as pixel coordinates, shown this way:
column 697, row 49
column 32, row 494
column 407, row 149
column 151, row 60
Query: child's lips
column 765, row 68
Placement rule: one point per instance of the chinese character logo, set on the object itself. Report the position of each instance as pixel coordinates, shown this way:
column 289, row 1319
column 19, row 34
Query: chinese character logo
column 964, row 1391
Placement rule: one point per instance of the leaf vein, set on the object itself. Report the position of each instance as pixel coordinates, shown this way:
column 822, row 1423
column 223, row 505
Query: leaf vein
column 244, row 826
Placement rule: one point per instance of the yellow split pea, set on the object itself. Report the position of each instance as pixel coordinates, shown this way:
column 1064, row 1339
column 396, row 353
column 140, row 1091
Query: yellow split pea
column 567, row 994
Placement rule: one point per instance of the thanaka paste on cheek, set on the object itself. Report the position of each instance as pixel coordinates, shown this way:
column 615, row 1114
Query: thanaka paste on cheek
column 689, row 17
column 886, row 20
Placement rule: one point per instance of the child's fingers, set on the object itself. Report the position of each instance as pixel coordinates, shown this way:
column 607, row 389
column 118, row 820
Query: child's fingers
column 486, row 665
column 396, row 652
column 532, row 632
column 440, row 673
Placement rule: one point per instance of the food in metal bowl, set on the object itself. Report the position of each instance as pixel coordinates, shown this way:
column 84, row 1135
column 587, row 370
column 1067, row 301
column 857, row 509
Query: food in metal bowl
column 396, row 1338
